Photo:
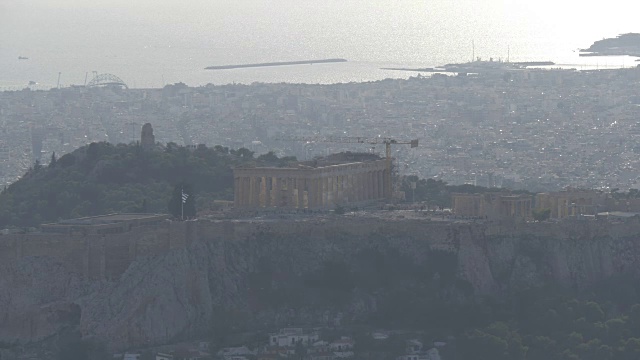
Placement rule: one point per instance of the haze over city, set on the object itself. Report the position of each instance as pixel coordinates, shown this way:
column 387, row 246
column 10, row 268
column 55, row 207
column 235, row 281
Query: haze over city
column 151, row 43
column 319, row 180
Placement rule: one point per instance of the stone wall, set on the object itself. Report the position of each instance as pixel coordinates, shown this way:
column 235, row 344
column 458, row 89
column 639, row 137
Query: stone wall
column 99, row 257
column 161, row 283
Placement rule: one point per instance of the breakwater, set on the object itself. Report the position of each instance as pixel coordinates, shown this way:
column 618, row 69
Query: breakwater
column 280, row 63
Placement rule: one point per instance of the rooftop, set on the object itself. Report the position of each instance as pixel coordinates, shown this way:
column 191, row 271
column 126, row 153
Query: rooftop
column 340, row 158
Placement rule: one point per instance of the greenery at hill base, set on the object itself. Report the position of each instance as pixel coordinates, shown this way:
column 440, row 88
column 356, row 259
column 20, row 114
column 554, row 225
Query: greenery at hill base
column 103, row 178
column 430, row 302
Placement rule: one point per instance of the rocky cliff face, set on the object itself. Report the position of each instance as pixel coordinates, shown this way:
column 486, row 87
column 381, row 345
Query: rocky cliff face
column 264, row 274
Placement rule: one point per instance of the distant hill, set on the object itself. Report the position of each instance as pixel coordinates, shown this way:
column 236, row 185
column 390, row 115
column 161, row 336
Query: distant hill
column 103, row 178
column 624, row 44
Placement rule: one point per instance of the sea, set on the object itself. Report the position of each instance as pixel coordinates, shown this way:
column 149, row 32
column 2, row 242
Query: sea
column 152, row 43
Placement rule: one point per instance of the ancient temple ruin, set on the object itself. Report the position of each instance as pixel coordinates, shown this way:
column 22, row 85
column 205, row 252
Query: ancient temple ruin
column 324, row 183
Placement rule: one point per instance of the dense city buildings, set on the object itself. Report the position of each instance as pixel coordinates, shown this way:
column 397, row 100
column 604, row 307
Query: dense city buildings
column 535, row 129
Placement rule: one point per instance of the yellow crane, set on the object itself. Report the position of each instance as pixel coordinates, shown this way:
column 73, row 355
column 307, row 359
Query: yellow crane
column 361, row 140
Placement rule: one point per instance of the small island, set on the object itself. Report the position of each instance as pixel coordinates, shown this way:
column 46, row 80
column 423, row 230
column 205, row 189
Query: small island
column 281, row 63
column 624, row 44
column 476, row 66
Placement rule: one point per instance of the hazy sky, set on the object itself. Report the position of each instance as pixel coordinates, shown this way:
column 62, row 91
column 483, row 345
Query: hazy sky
column 79, row 35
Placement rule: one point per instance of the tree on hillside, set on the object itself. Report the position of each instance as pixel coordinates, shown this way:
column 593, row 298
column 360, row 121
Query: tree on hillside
column 83, row 350
column 53, row 161
column 541, row 214
column 183, row 201
column 243, row 153
column 103, row 178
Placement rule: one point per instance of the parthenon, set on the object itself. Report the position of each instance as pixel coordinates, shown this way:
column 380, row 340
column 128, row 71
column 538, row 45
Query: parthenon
column 310, row 187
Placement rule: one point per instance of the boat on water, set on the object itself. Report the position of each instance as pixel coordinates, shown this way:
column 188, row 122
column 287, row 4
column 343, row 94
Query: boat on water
column 23, row 58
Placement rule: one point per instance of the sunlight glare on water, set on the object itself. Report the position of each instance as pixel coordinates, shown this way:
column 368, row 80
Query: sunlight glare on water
column 146, row 41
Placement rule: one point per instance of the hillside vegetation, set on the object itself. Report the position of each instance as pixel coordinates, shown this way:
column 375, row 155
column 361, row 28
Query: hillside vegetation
column 103, row 178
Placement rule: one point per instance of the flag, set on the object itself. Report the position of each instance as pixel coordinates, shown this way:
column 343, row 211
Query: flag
column 185, row 196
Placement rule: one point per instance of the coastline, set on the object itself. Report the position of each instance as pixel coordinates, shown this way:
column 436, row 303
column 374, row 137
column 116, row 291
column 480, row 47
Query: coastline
column 622, row 45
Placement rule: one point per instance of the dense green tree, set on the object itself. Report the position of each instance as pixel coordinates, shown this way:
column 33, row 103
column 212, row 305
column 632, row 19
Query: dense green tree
column 104, row 178
column 616, row 330
column 83, row 350
column 540, row 348
column 630, row 349
column 541, row 214
column 243, row 153
column 593, row 312
column 634, row 320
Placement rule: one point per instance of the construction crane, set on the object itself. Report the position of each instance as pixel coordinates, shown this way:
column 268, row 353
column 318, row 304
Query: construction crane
column 361, row 140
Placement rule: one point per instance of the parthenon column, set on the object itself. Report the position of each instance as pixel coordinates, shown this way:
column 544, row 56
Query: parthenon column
column 275, row 191
column 364, row 186
column 241, row 191
column 300, row 185
column 312, row 194
column 340, row 189
column 344, row 188
column 319, row 192
column 336, row 189
column 236, row 192
column 267, row 191
column 331, row 194
column 327, row 191
column 324, row 186
column 255, row 191
column 386, row 185
column 244, row 199
column 338, row 195
column 309, row 193
column 351, row 188
column 360, row 187
column 247, row 191
column 369, row 176
column 290, row 202
column 376, row 190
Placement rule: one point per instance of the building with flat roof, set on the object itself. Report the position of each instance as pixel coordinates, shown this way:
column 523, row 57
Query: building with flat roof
column 571, row 202
column 492, row 205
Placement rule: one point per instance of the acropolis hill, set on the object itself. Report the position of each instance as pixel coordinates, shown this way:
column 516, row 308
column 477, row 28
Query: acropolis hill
column 163, row 282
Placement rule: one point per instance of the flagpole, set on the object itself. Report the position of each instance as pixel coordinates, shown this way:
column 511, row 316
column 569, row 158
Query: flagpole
column 182, row 203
